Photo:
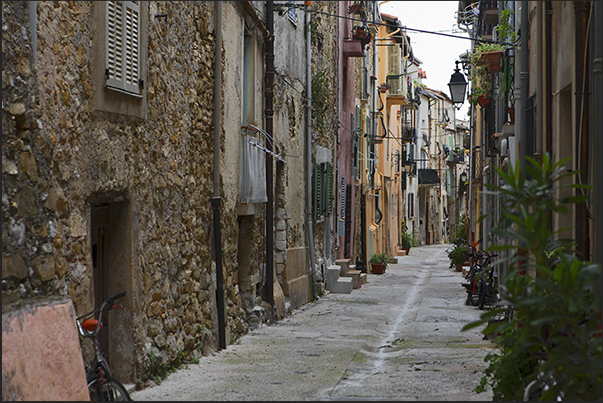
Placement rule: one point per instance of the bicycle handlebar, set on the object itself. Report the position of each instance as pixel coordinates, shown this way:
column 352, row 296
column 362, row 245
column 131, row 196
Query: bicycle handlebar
column 110, row 300
column 107, row 305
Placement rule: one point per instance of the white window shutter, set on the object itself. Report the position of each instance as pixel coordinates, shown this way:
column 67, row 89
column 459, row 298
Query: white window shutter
column 123, row 45
column 132, row 48
column 114, row 72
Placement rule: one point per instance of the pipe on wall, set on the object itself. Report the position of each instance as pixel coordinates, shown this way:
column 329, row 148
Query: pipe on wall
column 597, row 90
column 309, row 221
column 269, row 113
column 216, row 201
column 523, row 82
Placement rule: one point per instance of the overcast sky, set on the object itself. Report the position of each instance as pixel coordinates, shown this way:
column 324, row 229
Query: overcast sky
column 437, row 52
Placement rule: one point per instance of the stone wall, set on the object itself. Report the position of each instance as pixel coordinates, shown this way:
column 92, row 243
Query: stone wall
column 63, row 155
column 324, row 40
column 81, row 162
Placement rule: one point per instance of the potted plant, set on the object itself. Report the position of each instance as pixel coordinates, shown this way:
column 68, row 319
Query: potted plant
column 378, row 262
column 355, row 8
column 458, row 255
column 407, row 240
column 492, row 60
column 359, row 32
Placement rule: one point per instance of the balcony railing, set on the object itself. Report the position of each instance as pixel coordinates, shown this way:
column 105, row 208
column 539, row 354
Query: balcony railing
column 394, row 83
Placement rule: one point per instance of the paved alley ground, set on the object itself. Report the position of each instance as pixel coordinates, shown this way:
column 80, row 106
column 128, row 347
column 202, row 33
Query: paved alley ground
column 398, row 337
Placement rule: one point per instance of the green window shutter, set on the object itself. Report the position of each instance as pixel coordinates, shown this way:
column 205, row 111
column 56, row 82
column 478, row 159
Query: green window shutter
column 330, row 193
column 316, row 192
column 323, row 190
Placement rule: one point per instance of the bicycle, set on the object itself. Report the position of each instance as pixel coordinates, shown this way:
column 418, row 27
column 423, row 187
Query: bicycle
column 487, row 287
column 474, row 283
column 102, row 386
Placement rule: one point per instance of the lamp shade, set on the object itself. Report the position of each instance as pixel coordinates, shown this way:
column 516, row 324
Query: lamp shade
column 463, row 177
column 458, row 87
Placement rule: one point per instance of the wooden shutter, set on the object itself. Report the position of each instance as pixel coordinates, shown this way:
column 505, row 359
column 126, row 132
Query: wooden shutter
column 123, row 46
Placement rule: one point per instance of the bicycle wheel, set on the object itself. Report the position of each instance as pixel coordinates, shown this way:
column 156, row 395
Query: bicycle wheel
column 106, row 389
column 474, row 293
column 484, row 291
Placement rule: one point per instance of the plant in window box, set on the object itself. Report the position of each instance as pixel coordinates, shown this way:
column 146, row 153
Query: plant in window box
column 480, row 75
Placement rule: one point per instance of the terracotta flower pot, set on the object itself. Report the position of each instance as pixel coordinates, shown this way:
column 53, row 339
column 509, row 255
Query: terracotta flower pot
column 378, row 268
column 483, row 101
column 493, row 61
column 511, row 112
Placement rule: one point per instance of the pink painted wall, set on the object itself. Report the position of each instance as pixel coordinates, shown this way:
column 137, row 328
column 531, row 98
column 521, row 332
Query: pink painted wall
column 47, row 331
column 346, row 107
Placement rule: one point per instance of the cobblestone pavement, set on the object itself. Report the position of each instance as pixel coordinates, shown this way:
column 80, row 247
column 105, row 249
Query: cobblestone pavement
column 398, row 337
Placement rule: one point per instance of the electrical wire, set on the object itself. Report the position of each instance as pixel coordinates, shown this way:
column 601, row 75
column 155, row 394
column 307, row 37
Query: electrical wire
column 406, row 28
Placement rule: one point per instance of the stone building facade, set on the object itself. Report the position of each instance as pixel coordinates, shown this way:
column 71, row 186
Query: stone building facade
column 109, row 189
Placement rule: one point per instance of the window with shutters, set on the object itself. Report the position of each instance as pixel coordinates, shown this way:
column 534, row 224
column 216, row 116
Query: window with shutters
column 393, row 77
column 123, row 45
column 322, row 190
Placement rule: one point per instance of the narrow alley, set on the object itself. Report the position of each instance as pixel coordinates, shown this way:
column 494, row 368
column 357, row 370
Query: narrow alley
column 398, row 337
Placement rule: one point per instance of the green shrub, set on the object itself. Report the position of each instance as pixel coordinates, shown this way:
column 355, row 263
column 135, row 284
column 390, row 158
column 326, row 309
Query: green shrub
column 555, row 311
column 458, row 254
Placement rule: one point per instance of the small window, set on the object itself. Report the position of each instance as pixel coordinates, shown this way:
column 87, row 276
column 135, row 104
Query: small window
column 122, row 71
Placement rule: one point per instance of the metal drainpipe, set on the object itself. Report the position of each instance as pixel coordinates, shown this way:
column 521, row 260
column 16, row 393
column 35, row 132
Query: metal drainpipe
column 269, row 112
column 471, row 173
column 216, row 201
column 309, row 222
column 597, row 90
column 523, row 83
column 374, row 106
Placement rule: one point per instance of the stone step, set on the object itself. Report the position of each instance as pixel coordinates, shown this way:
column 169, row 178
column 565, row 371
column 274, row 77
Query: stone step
column 337, row 284
column 344, row 264
column 342, row 286
column 355, row 275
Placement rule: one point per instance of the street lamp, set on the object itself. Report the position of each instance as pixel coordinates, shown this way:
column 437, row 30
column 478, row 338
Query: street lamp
column 463, row 177
column 458, row 86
